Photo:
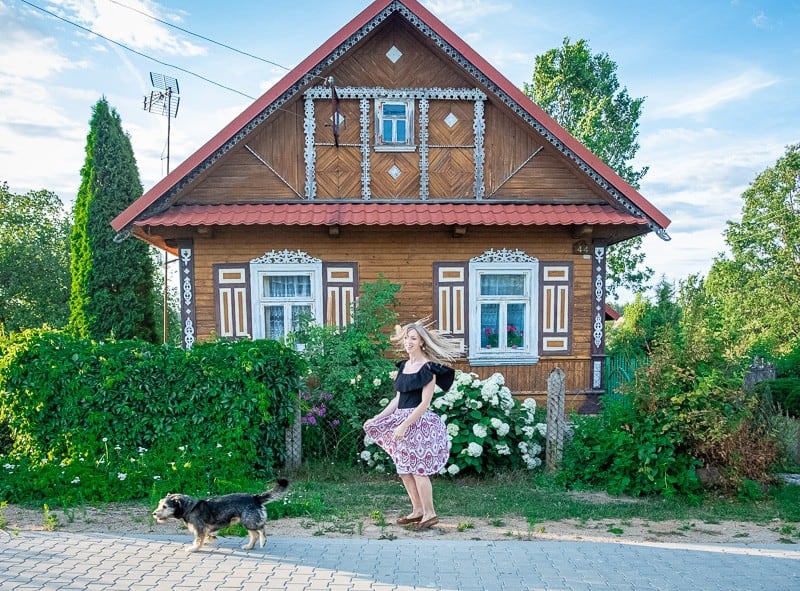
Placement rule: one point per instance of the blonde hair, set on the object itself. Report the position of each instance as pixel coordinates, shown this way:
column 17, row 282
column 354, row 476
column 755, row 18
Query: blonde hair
column 435, row 347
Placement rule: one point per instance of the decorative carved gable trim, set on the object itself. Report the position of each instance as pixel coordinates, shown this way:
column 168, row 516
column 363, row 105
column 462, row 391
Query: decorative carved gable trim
column 285, row 257
column 504, row 255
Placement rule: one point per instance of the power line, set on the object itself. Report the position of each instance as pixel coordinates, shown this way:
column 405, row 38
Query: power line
column 123, row 46
column 204, row 38
column 163, row 22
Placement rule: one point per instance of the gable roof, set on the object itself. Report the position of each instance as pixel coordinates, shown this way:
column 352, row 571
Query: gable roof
column 305, row 72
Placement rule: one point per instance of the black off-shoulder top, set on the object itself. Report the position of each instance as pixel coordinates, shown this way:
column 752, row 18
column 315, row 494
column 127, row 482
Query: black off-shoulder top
column 410, row 385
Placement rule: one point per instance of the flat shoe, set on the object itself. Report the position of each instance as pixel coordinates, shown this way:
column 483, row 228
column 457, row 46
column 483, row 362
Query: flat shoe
column 426, row 524
column 407, row 520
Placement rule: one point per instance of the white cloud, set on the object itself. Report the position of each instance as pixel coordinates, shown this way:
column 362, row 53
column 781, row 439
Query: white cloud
column 703, row 99
column 465, row 11
column 129, row 27
column 24, row 54
column 762, row 21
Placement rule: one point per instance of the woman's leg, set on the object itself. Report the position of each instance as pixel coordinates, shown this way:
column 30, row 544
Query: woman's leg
column 422, row 484
column 411, row 488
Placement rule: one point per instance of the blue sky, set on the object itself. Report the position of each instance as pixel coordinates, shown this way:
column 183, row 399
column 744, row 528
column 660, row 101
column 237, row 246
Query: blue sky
column 721, row 81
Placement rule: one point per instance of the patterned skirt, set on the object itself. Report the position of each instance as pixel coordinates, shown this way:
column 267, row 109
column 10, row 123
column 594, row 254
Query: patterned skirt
column 425, row 448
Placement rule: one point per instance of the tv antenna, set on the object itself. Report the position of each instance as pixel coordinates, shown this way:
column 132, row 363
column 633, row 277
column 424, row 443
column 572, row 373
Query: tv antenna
column 163, row 100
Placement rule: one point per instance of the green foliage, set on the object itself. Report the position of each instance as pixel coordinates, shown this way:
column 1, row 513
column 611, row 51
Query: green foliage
column 784, row 392
column 629, row 452
column 348, row 373
column 112, row 283
column 643, row 322
column 685, row 401
column 110, row 420
column 582, row 93
column 758, row 285
column 34, row 260
column 489, row 430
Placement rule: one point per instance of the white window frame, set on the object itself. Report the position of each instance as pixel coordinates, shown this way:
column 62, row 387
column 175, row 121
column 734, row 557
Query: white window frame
column 259, row 302
column 529, row 352
column 381, row 145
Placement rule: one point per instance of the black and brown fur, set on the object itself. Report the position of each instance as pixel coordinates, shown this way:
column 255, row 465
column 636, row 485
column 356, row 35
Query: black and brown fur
column 204, row 517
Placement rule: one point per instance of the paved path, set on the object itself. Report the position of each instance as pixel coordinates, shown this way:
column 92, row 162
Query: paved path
column 64, row 561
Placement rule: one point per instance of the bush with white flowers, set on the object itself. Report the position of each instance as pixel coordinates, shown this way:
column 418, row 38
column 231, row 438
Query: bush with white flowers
column 489, row 429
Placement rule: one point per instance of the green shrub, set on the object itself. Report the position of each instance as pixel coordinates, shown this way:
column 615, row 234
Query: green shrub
column 112, row 420
column 784, row 392
column 628, row 452
column 348, row 374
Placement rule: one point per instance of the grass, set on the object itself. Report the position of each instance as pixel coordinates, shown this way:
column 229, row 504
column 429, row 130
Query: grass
column 340, row 498
column 536, row 497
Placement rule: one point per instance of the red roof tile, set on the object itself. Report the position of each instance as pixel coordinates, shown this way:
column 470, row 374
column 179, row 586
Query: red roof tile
column 390, row 214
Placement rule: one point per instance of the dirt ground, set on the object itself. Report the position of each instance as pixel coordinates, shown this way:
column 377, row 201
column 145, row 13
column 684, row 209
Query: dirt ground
column 135, row 518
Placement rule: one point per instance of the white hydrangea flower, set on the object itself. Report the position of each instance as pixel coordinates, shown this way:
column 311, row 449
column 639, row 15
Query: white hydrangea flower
column 376, row 382
column 452, row 430
column 503, row 449
column 365, row 455
column 503, row 429
column 542, row 429
column 479, row 430
column 474, row 449
column 453, row 469
column 368, row 441
column 529, row 431
column 529, row 404
column 533, row 463
column 495, row 422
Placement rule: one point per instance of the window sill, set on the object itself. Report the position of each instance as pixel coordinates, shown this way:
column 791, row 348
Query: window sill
column 485, row 359
column 393, row 148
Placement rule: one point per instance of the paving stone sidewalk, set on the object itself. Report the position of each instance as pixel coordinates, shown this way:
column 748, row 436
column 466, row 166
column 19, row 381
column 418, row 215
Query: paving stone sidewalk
column 67, row 562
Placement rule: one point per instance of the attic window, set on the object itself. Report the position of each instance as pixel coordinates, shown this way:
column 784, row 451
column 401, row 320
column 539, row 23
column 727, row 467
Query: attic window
column 394, row 125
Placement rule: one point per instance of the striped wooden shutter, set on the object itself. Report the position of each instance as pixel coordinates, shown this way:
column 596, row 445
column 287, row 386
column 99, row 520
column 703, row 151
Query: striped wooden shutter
column 231, row 296
column 340, row 288
column 450, row 303
column 556, row 306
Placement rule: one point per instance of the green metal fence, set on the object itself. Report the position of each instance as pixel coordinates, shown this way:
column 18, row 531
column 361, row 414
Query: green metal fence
column 619, row 371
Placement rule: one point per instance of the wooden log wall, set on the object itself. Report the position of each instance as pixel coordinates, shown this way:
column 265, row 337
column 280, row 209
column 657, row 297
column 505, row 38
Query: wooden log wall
column 405, row 255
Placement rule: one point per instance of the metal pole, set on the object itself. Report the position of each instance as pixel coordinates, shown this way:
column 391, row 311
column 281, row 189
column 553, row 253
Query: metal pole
column 166, row 252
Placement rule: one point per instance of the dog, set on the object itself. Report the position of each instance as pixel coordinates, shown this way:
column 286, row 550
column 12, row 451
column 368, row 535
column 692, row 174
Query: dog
column 204, row 517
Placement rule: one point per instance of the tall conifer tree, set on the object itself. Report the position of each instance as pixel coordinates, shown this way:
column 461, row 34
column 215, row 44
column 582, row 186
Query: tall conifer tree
column 112, row 291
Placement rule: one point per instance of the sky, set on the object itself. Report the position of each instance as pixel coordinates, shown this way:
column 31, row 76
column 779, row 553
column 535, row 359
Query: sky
column 720, row 79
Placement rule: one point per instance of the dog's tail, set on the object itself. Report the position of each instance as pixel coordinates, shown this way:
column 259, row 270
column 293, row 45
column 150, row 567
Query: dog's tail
column 276, row 493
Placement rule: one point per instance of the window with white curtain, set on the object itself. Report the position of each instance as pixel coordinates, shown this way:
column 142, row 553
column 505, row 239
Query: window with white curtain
column 503, row 313
column 282, row 294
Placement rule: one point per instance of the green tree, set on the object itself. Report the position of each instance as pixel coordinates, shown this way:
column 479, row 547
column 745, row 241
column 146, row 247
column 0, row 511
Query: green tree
column 112, row 283
column 759, row 284
column 582, row 93
column 34, row 260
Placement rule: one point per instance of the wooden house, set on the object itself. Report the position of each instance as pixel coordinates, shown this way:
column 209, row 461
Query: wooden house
column 396, row 150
